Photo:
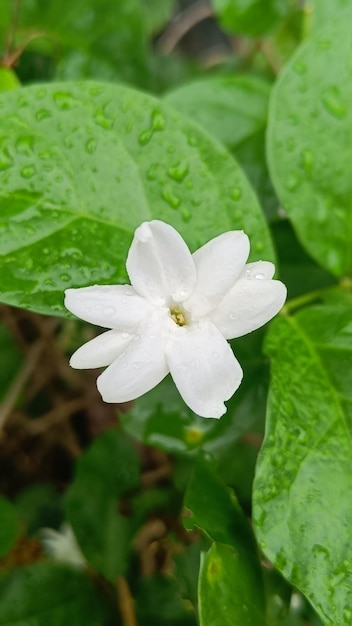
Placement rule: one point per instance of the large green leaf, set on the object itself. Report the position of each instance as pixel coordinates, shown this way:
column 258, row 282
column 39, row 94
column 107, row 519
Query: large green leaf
column 309, row 146
column 228, row 590
column 109, row 468
column 234, row 109
column 82, row 165
column 303, row 487
column 321, row 12
column 49, row 593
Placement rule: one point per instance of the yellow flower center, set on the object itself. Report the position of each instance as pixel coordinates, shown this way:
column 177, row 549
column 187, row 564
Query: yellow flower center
column 179, row 317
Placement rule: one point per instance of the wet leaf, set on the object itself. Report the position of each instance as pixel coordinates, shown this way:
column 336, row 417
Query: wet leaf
column 309, row 147
column 252, row 17
column 82, row 165
column 228, row 590
column 302, row 508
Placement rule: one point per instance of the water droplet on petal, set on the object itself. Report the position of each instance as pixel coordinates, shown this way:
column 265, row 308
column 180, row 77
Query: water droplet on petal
column 259, row 276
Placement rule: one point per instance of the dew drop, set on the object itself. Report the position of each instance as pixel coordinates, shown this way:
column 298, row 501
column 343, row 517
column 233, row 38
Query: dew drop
column 236, row 193
column 172, row 200
column 333, row 103
column 91, row 145
column 65, row 278
column 152, row 172
column 28, row 171
column 292, row 182
column 259, row 276
column 102, row 121
column 178, row 172
column 186, row 214
column 233, row 316
column 308, row 162
column 64, row 100
column 42, row 114
column 299, row 67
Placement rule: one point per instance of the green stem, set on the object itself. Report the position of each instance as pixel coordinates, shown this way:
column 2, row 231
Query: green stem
column 314, row 296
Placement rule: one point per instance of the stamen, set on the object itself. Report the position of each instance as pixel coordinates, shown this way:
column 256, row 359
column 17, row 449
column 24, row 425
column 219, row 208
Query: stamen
column 179, row 317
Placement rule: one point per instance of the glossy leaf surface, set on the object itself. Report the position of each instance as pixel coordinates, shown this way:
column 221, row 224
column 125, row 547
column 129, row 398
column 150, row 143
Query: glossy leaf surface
column 82, row 165
column 303, row 517
column 309, row 147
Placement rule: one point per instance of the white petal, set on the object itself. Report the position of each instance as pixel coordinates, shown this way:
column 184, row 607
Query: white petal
column 110, row 306
column 141, row 367
column 101, row 350
column 250, row 303
column 203, row 367
column 160, row 265
column 259, row 270
column 219, row 263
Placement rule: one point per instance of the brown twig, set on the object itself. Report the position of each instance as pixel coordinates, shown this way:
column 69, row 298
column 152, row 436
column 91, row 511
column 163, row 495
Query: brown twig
column 125, row 601
column 182, row 23
column 58, row 414
column 20, row 380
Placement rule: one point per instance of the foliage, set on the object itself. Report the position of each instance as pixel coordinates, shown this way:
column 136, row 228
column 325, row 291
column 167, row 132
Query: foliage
column 113, row 113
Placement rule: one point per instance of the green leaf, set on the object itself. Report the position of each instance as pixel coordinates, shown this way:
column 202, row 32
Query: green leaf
column 309, row 146
column 227, row 571
column 232, row 108
column 156, row 13
column 249, row 17
column 214, row 508
column 228, row 590
column 159, row 603
column 48, row 593
column 39, row 505
column 91, row 33
column 8, row 79
column 300, row 273
column 303, row 486
column 108, row 469
column 9, row 526
column 321, row 12
column 82, row 165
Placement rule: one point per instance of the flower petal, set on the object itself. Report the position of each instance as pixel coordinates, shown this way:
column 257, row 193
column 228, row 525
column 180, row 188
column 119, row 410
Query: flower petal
column 259, row 270
column 249, row 304
column 160, row 265
column 101, row 350
column 203, row 367
column 140, row 367
column 110, row 306
column 219, row 263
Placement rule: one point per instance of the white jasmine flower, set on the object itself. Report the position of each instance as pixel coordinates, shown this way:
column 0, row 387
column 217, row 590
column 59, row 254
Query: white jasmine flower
column 62, row 545
column 176, row 316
